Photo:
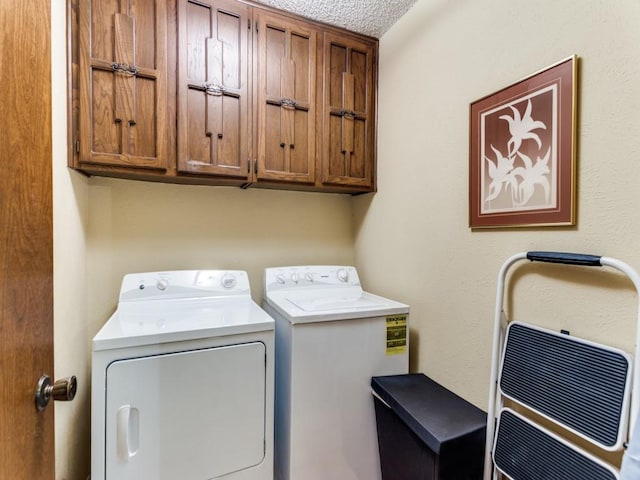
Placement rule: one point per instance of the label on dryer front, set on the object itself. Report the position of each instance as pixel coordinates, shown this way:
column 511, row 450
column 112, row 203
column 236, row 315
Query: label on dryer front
column 396, row 334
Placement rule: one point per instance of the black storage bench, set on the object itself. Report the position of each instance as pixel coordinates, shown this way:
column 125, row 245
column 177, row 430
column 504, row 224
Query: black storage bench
column 426, row 432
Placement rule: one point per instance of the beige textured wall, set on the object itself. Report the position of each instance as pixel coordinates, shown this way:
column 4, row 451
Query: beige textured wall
column 412, row 239
column 72, row 348
column 140, row 226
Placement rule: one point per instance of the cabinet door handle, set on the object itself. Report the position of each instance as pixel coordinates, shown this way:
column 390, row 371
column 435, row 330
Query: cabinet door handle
column 350, row 114
column 124, row 68
column 214, row 89
column 288, row 103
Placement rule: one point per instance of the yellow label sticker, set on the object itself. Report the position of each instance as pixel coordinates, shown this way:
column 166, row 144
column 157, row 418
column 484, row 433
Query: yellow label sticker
column 396, row 334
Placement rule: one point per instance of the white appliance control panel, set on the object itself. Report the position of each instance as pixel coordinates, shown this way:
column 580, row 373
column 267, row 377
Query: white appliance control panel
column 184, row 284
column 312, row 276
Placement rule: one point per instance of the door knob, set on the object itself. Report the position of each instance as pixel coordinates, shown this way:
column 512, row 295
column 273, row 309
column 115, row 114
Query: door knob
column 63, row 390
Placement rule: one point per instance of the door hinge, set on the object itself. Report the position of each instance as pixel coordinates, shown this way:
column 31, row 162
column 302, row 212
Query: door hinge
column 248, row 23
column 255, row 166
column 256, row 26
column 248, row 165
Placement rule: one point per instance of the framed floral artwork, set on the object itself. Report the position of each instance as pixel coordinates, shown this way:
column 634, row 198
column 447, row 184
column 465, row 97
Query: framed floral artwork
column 522, row 151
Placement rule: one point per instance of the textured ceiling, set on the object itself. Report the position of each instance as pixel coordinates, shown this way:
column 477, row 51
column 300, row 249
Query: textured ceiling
column 371, row 17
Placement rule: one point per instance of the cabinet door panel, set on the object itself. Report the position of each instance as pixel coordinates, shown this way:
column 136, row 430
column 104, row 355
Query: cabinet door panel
column 198, row 146
column 101, row 31
column 123, row 84
column 230, row 145
column 303, row 122
column 273, row 153
column 300, row 49
column 144, row 13
column 143, row 133
column 106, row 131
column 213, row 86
column 286, row 65
column 348, row 118
column 230, row 34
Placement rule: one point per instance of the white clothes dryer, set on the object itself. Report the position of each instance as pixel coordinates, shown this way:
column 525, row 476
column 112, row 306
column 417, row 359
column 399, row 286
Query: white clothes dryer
column 182, row 384
column 331, row 338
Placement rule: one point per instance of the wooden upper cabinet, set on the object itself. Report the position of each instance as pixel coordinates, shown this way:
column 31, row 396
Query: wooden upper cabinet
column 348, row 118
column 122, row 83
column 220, row 92
column 213, row 88
column 286, row 99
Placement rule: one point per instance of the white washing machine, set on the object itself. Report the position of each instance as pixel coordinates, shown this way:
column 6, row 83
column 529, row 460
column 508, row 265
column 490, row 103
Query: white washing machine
column 182, row 384
column 331, row 338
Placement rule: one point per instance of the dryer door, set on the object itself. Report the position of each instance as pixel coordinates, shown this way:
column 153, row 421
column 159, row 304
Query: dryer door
column 197, row 414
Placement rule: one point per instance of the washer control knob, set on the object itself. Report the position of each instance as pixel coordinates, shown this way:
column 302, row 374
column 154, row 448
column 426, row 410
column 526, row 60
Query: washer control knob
column 228, row 280
column 308, row 277
column 280, row 279
column 162, row 284
column 343, row 275
column 295, row 277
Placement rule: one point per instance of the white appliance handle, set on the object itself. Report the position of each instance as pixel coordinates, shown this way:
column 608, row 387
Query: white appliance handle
column 126, row 432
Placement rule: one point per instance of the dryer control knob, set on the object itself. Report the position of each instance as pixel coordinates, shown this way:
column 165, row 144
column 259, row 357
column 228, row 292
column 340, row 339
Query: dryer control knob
column 343, row 275
column 295, row 278
column 308, row 277
column 162, row 284
column 280, row 279
column 228, row 280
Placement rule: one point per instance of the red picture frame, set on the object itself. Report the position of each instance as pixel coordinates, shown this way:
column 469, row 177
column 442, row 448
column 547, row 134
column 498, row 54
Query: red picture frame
column 522, row 151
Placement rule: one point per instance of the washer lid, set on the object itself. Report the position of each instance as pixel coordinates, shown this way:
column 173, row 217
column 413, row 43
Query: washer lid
column 308, row 307
column 152, row 322
column 337, row 303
